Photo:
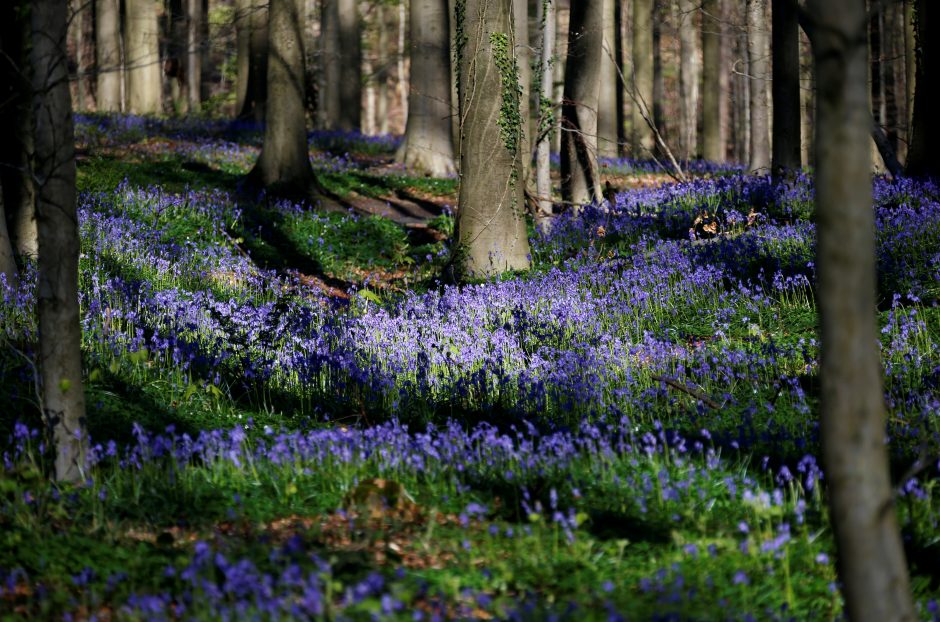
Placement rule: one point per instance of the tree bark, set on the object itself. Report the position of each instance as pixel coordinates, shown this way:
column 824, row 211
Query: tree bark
column 491, row 231
column 923, row 158
column 689, row 76
column 892, row 52
column 341, row 99
column 284, row 164
column 758, row 70
column 910, row 66
column 520, row 20
column 194, row 45
column 871, row 560
column 580, row 181
column 714, row 128
column 543, row 179
column 607, row 116
column 428, row 148
column 562, row 17
column 141, row 43
column 60, row 358
column 382, row 73
column 660, row 14
column 108, row 44
column 642, row 89
column 807, row 102
column 16, row 115
column 7, row 258
column 785, row 86
column 253, row 70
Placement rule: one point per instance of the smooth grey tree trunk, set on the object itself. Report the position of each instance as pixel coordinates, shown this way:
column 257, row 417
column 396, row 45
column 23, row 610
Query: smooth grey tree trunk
column 562, row 16
column 543, row 179
column 382, row 73
column 520, row 20
column 871, row 562
column 607, row 115
column 689, row 77
column 923, row 158
column 491, row 230
column 108, row 44
column 758, row 52
column 284, row 164
column 142, row 47
column 60, row 359
column 642, row 89
column 785, row 87
column 807, row 101
column 254, row 76
column 428, row 148
column 242, row 20
column 714, row 129
column 341, row 95
column 580, row 179
column 194, row 45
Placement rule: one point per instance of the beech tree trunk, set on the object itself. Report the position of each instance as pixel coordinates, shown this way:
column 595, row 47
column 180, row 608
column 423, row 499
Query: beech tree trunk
column 284, row 164
column 428, row 148
column 807, row 101
column 660, row 13
column 758, row 52
column 580, row 181
column 341, row 97
column 785, row 86
column 491, row 230
column 16, row 116
column 642, row 90
column 382, row 74
column 543, row 179
column 923, row 157
column 520, row 20
column 607, row 116
column 108, row 45
column 60, row 359
column 253, row 60
column 194, row 45
column 689, row 76
column 142, row 47
column 562, row 17
column 714, row 78
column 871, row 560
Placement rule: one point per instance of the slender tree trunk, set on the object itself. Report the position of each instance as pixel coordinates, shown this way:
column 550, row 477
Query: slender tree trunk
column 256, row 81
column 141, row 42
column 194, row 45
column 923, row 158
column 620, row 90
column 660, row 14
column 892, row 52
column 910, row 65
column 807, row 101
column 563, row 17
column 174, row 65
column 57, row 294
column 689, row 77
column 205, row 58
column 242, row 20
column 382, row 74
column 786, row 86
column 7, row 258
column 284, row 164
column 16, row 115
column 341, row 96
column 543, row 179
column 871, row 558
column 758, row 70
column 491, row 231
column 520, row 20
column 428, row 148
column 401, row 74
column 108, row 44
column 643, row 102
column 713, row 140
column 607, row 139
column 580, row 180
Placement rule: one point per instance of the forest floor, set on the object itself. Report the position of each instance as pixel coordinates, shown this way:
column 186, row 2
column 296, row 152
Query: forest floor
column 295, row 415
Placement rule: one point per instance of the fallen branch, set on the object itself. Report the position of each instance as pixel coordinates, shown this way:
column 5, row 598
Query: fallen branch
column 696, row 393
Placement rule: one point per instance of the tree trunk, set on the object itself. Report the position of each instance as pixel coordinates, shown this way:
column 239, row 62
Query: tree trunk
column 689, row 77
column 491, row 231
column 108, row 44
column 16, row 115
column 758, row 70
column 520, row 20
column 60, row 359
column 284, row 164
column 341, row 97
column 713, row 70
column 255, row 75
column 382, row 74
column 785, row 86
column 807, row 102
column 141, row 43
column 871, row 561
column 580, row 181
column 7, row 258
column 659, row 80
column 194, row 45
column 910, row 66
column 607, row 139
column 892, row 52
column 562, row 17
column 174, row 65
column 242, row 21
column 620, row 90
column 543, row 179
column 428, row 148
column 923, row 158
column 642, row 90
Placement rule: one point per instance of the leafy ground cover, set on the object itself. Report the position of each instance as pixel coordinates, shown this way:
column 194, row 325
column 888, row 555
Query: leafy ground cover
column 295, row 417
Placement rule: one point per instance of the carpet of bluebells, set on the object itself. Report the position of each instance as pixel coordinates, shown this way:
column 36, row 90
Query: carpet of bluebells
column 629, row 431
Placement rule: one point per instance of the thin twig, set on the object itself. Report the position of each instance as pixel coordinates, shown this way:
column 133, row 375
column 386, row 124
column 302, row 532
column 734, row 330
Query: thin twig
column 696, row 393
